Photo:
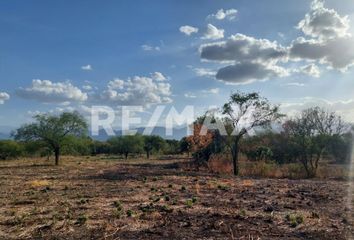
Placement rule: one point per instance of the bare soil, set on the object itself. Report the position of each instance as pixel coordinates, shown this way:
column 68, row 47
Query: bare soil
column 93, row 198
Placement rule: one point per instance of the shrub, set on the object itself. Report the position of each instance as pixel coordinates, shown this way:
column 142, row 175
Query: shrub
column 10, row 149
column 189, row 203
column 82, row 219
column 294, row 220
column 261, row 169
column 220, row 163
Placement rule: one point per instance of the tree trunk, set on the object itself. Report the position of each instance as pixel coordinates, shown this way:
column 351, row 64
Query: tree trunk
column 147, row 154
column 57, row 156
column 235, row 157
column 126, row 155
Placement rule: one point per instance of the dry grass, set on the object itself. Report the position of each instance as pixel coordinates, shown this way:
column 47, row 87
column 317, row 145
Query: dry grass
column 39, row 183
column 222, row 164
column 94, row 198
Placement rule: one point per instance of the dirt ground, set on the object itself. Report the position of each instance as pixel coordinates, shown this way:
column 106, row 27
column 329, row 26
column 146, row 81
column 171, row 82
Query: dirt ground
column 93, row 198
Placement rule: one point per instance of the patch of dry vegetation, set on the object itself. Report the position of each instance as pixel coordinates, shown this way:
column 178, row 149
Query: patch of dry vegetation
column 94, row 198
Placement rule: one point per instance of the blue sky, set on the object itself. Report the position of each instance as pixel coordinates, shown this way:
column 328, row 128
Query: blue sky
column 89, row 52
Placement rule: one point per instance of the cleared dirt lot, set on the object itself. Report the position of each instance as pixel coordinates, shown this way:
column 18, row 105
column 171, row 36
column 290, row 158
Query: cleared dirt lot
column 92, row 198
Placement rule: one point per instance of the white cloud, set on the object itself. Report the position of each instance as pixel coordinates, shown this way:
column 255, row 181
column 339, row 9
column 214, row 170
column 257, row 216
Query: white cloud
column 147, row 47
column 87, row 87
column 221, row 14
column 188, row 30
column 190, row 95
column 204, row 72
column 47, row 91
column 211, row 91
column 240, row 47
column 4, row 97
column 337, row 53
column 324, row 23
column 294, row 84
column 137, row 90
column 213, row 33
column 311, row 70
column 87, row 67
column 331, row 41
column 158, row 76
column 252, row 59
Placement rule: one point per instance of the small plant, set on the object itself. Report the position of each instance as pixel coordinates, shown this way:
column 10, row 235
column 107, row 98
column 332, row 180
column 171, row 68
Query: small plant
column 189, row 203
column 242, row 213
column 153, row 189
column 83, row 201
column 117, row 204
column 183, row 188
column 118, row 211
column 130, row 213
column 81, row 220
column 194, row 199
column 147, row 208
column 315, row 215
column 166, row 209
column 157, row 199
column 294, row 220
column 155, row 179
column 167, row 198
column 223, row 187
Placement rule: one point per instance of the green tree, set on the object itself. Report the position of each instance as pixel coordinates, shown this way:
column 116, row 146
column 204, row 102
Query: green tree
column 10, row 149
column 126, row 144
column 244, row 112
column 311, row 135
column 185, row 145
column 81, row 146
column 53, row 130
column 172, row 147
column 153, row 143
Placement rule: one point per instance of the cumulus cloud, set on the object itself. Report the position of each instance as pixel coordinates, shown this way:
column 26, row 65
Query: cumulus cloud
column 253, row 59
column 247, row 72
column 137, row 90
column 337, row 53
column 158, row 76
column 188, row 30
column 331, row 42
column 87, row 67
column 4, row 97
column 221, row 14
column 240, row 47
column 324, row 23
column 213, row 33
column 51, row 92
column 327, row 41
column 147, row 47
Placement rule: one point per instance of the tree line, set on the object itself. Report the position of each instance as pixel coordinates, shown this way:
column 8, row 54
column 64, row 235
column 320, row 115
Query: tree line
column 247, row 124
